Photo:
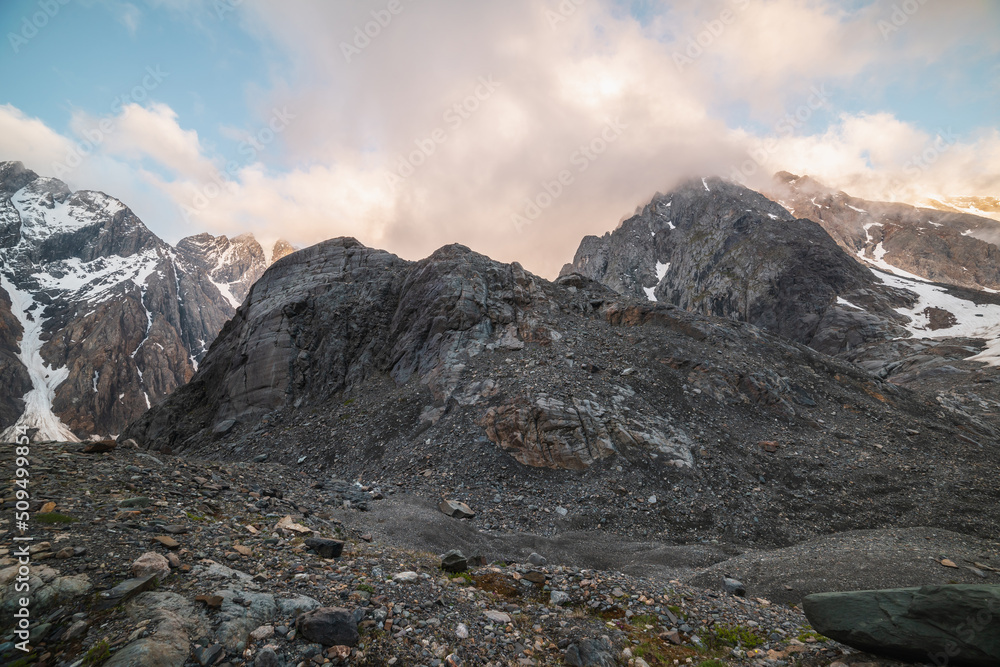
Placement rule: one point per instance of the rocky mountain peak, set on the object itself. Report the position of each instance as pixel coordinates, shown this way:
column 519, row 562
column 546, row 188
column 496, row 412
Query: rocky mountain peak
column 717, row 248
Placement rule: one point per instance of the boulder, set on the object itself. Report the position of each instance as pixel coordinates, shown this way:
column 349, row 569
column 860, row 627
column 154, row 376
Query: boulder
column 329, row 626
column 324, row 547
column 958, row 625
column 456, row 509
column 454, row 561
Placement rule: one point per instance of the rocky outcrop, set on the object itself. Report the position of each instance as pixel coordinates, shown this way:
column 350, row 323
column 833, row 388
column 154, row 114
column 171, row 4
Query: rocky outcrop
column 572, row 435
column 716, row 248
column 955, row 625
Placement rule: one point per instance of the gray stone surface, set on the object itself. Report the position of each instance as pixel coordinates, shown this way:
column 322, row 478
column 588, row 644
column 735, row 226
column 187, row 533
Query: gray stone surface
column 956, row 625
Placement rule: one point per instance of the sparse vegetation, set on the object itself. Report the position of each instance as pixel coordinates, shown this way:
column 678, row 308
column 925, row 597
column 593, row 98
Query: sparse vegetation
column 735, row 635
column 97, row 654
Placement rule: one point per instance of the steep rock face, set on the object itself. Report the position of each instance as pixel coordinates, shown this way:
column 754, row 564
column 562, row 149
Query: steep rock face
column 717, row 248
column 945, row 246
column 233, row 265
column 281, row 249
column 104, row 318
column 325, row 319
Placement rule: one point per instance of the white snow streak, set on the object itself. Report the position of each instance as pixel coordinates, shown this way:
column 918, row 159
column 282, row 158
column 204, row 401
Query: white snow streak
column 44, row 380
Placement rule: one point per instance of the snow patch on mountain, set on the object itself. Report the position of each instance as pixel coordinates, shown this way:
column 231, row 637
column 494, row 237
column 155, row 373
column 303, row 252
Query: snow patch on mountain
column 44, row 379
column 972, row 320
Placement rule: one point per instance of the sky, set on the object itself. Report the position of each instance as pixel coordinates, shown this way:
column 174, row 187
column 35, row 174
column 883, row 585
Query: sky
column 512, row 127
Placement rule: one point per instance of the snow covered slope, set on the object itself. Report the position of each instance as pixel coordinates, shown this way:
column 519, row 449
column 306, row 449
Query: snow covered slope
column 102, row 318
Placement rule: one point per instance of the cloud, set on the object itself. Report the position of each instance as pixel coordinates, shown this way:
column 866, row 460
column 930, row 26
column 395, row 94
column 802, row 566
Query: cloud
column 518, row 128
column 30, row 141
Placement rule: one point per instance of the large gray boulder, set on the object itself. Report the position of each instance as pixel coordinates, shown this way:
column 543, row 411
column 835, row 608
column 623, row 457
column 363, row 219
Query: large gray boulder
column 956, row 625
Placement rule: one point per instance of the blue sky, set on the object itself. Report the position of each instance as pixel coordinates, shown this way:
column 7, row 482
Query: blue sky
column 891, row 82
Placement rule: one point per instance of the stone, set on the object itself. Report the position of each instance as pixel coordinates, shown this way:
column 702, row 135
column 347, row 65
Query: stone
column 167, row 541
column 406, row 577
column 209, row 655
column 454, row 561
column 958, row 624
column 287, row 525
column 210, row 601
column 75, row 630
column 224, row 427
column 267, row 658
column 48, row 507
column 456, row 509
column 590, row 653
column 558, row 598
column 536, row 559
column 534, row 577
column 151, row 563
column 462, row 631
column 497, row 616
column 734, row 586
column 140, row 501
column 329, row 626
column 263, row 632
column 173, row 559
column 326, row 548
column 129, row 589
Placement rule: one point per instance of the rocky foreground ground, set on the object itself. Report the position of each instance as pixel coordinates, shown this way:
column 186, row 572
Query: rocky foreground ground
column 159, row 560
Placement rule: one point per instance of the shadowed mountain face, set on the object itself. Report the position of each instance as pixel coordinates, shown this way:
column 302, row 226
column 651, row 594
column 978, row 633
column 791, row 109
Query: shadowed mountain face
column 717, row 248
column 99, row 318
column 348, row 360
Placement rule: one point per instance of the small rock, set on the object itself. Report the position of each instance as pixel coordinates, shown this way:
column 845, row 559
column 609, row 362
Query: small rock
column 173, row 559
column 151, row 563
column 329, row 626
column 462, row 631
column 497, row 616
column 224, row 427
column 324, row 547
column 558, row 598
column 267, row 658
column 100, row 447
column 406, row 577
column 263, row 632
column 211, row 601
column 734, row 587
column 209, row 655
column 536, row 560
column 454, row 561
column 456, row 509
column 166, row 541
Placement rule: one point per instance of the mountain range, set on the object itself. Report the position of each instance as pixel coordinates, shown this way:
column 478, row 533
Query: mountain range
column 100, row 318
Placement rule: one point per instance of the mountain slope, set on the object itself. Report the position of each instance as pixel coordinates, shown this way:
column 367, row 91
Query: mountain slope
column 720, row 249
column 99, row 318
column 940, row 246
